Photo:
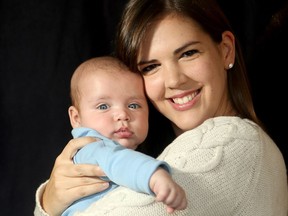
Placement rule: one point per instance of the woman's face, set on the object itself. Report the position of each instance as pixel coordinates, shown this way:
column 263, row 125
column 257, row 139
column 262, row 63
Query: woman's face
column 185, row 72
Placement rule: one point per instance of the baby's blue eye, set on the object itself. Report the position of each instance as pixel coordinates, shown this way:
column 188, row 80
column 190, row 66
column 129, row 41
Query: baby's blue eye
column 134, row 106
column 103, row 107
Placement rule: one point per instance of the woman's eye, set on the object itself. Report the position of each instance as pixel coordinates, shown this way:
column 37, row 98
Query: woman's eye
column 102, row 107
column 134, row 106
column 148, row 68
column 189, row 53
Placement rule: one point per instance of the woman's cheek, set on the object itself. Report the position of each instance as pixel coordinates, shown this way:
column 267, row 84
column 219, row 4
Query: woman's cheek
column 153, row 88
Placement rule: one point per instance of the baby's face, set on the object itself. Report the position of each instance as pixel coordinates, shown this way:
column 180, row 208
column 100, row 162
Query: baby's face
column 114, row 104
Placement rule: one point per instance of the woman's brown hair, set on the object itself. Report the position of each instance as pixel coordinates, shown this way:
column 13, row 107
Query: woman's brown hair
column 139, row 14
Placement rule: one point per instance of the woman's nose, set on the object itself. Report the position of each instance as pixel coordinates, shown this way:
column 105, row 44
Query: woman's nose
column 174, row 77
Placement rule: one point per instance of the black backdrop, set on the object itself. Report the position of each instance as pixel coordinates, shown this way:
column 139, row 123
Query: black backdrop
column 42, row 42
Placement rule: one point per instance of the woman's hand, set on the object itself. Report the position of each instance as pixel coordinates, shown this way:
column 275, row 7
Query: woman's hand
column 69, row 182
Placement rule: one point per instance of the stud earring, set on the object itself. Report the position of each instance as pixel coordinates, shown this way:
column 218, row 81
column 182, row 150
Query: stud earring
column 230, row 65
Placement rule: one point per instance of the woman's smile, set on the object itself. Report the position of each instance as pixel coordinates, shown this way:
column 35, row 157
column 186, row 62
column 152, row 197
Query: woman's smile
column 185, row 102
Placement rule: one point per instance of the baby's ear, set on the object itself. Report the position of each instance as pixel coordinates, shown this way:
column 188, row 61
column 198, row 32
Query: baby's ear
column 74, row 116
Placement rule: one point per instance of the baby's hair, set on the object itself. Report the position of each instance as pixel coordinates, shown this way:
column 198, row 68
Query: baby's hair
column 103, row 64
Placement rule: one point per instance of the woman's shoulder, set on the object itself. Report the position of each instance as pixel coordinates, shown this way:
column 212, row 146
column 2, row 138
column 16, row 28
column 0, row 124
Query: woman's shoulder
column 218, row 141
column 220, row 131
column 213, row 142
column 234, row 125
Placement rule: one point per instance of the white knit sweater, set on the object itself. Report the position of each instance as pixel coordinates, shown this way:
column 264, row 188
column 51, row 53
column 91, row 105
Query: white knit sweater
column 227, row 166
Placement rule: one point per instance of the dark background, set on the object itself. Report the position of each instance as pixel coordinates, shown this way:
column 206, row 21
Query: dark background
column 42, row 42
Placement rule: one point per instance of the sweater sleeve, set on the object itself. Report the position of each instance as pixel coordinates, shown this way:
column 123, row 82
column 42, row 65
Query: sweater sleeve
column 39, row 211
column 227, row 166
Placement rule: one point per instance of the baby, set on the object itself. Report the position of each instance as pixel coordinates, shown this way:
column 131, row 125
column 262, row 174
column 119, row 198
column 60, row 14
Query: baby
column 109, row 103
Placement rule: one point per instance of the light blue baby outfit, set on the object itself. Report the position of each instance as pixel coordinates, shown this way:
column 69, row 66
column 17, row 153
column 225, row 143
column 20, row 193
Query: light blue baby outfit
column 122, row 166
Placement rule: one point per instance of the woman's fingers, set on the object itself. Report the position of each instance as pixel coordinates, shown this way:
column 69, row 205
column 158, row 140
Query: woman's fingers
column 74, row 145
column 66, row 158
column 88, row 186
column 78, row 170
column 59, row 195
column 69, row 182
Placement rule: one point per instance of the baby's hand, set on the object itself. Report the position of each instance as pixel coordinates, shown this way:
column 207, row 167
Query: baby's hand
column 168, row 191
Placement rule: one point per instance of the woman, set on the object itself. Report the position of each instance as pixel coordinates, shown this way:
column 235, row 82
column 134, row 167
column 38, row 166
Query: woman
column 195, row 76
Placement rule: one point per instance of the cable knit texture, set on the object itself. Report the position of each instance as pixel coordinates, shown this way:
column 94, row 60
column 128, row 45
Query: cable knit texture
column 227, row 166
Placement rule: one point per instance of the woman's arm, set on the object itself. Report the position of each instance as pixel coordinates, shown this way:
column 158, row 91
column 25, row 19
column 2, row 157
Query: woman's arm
column 227, row 166
column 69, row 182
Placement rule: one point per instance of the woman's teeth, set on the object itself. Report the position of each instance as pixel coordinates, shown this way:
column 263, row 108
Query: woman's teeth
column 185, row 99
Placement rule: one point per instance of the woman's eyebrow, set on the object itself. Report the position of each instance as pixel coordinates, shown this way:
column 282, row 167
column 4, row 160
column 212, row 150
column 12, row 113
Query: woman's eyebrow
column 180, row 49
column 143, row 62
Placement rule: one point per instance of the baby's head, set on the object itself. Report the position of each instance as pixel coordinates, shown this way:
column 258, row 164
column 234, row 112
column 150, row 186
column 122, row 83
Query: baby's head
column 107, row 97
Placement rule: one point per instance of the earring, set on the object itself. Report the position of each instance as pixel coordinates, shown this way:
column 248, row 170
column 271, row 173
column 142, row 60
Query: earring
column 230, row 65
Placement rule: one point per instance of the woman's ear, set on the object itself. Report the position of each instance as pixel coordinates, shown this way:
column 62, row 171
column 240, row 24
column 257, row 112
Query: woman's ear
column 74, row 117
column 228, row 49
